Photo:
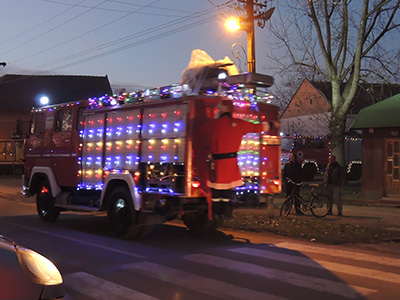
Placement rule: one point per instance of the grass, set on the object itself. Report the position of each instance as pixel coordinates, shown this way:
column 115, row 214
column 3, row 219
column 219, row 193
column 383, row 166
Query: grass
column 311, row 229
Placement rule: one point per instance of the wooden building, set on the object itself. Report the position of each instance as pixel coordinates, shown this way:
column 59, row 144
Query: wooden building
column 380, row 125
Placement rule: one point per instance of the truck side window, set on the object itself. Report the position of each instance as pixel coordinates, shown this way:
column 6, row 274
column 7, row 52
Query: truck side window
column 64, row 120
column 37, row 124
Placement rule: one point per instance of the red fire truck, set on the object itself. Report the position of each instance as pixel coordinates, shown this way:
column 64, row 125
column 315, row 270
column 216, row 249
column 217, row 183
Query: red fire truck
column 313, row 153
column 140, row 158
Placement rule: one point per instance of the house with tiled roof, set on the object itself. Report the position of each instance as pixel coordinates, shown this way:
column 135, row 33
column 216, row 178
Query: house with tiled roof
column 308, row 112
column 307, row 118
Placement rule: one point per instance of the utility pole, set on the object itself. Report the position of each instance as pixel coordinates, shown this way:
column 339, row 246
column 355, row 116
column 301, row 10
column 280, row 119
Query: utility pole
column 251, row 49
column 254, row 12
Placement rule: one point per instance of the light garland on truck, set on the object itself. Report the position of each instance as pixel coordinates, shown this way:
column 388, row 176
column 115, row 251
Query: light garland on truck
column 162, row 137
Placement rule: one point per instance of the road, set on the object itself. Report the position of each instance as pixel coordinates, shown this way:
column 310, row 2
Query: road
column 173, row 264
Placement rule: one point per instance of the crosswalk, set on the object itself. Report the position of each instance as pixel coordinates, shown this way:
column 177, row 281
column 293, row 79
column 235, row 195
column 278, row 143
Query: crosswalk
column 280, row 271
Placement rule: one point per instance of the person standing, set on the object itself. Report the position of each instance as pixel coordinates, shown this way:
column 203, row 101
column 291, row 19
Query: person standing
column 224, row 137
column 333, row 179
column 293, row 171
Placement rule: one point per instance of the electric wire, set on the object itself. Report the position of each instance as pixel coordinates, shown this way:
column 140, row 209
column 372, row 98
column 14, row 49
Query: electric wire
column 86, row 33
column 52, row 29
column 139, row 43
column 120, row 10
column 124, row 39
column 41, row 24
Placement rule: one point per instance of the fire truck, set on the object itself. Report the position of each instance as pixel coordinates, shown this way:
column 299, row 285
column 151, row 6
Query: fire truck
column 313, row 153
column 140, row 157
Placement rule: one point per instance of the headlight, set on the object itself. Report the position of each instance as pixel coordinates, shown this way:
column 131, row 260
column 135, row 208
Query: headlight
column 37, row 267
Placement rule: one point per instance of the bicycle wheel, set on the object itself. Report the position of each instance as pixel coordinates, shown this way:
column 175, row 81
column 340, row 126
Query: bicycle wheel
column 320, row 206
column 286, row 206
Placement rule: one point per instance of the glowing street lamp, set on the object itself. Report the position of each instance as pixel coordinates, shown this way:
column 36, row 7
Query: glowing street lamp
column 247, row 24
column 232, row 24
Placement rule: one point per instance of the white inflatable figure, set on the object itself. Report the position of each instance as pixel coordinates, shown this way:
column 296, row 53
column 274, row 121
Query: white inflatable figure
column 199, row 66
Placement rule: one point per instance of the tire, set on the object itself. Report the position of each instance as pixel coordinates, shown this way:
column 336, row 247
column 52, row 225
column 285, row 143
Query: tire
column 45, row 203
column 286, row 206
column 199, row 223
column 122, row 216
column 320, row 206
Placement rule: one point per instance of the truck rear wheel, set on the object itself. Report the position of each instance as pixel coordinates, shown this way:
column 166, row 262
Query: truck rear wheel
column 45, row 203
column 122, row 216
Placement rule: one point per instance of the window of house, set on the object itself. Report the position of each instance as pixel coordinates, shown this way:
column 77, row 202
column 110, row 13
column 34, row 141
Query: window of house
column 64, row 120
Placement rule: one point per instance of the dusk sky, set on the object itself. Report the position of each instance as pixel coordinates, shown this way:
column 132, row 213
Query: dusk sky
column 142, row 43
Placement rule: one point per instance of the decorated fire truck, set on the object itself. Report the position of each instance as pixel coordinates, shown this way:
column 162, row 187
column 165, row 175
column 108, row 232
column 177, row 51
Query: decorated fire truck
column 313, row 153
column 139, row 156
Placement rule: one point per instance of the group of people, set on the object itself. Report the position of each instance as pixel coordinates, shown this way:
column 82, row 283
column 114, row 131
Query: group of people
column 333, row 179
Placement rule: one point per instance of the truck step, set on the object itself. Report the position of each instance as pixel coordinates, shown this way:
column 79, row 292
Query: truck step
column 78, row 207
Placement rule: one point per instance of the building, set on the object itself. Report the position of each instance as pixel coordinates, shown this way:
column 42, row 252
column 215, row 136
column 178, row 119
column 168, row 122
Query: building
column 380, row 125
column 308, row 113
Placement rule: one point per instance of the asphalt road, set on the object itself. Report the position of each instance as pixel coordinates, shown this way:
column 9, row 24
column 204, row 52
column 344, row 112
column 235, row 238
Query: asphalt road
column 173, row 264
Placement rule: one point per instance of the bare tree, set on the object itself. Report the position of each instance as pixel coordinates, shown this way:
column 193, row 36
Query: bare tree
column 343, row 41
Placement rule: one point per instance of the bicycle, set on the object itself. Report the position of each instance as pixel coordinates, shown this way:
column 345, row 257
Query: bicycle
column 318, row 203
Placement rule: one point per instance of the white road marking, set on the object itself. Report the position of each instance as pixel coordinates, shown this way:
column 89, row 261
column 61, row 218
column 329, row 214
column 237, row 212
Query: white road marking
column 321, row 264
column 382, row 260
column 208, row 286
column 100, row 289
column 317, row 284
column 77, row 240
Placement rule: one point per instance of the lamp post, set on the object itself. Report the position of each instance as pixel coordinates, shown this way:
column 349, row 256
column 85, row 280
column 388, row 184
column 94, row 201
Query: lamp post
column 247, row 24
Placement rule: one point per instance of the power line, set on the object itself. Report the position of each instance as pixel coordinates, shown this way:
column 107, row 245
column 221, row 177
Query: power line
column 52, row 29
column 124, row 39
column 41, row 24
column 119, row 10
column 88, row 32
column 139, row 43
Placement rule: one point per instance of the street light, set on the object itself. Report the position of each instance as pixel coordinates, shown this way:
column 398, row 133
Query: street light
column 247, row 24
column 232, row 24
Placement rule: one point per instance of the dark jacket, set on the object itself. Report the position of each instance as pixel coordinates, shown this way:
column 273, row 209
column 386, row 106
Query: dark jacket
column 334, row 174
column 293, row 171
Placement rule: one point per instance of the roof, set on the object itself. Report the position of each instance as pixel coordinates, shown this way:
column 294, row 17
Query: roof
column 366, row 94
column 382, row 114
column 22, row 92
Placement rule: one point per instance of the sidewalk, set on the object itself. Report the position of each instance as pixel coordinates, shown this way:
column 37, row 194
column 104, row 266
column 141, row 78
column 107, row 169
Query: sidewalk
column 374, row 214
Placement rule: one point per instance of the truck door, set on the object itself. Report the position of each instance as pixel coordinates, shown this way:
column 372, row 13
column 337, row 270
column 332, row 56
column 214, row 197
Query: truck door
column 34, row 146
column 64, row 158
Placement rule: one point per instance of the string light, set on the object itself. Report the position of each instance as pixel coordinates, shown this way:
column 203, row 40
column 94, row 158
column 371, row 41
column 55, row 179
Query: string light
column 163, row 137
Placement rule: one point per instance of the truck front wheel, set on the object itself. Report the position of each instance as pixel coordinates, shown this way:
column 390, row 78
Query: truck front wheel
column 45, row 203
column 122, row 216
